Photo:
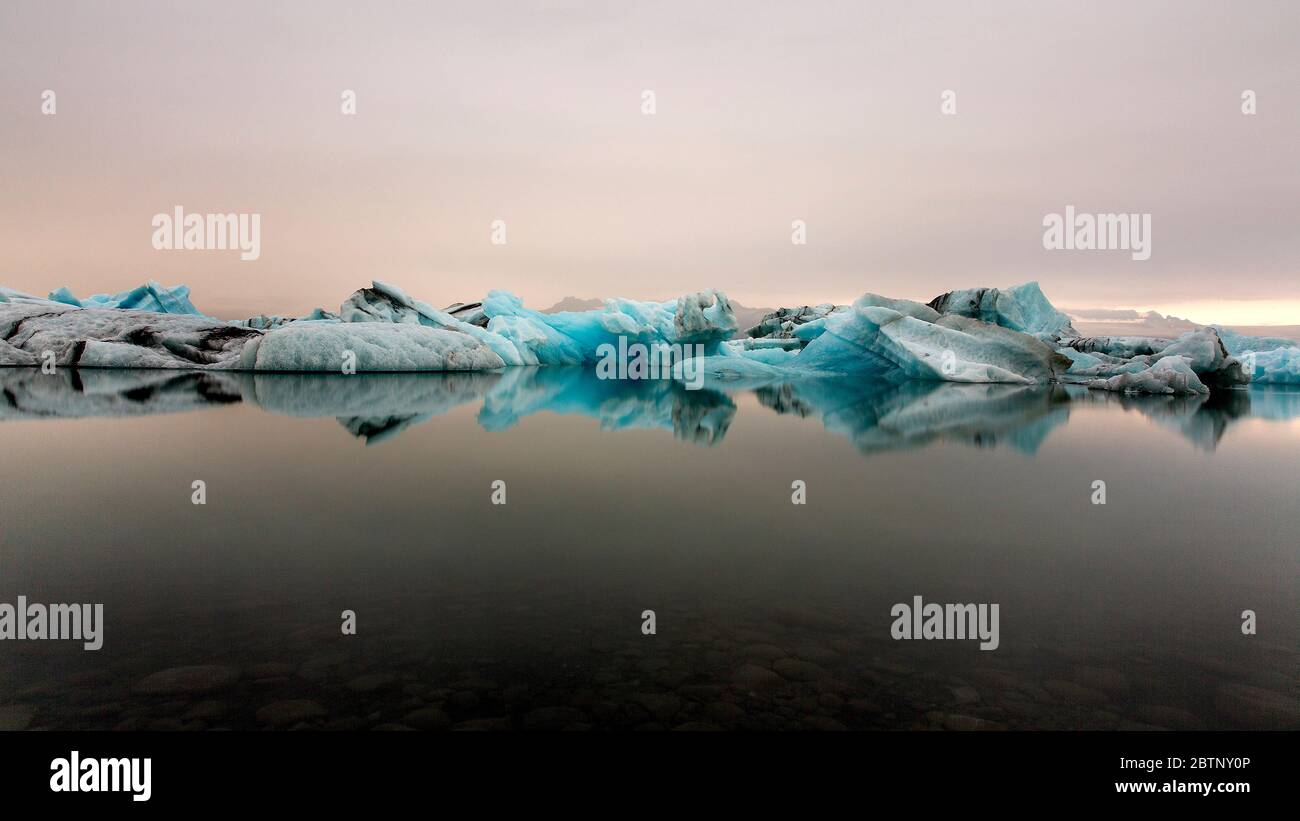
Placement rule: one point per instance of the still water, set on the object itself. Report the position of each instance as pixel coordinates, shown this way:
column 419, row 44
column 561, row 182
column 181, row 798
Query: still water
column 374, row 494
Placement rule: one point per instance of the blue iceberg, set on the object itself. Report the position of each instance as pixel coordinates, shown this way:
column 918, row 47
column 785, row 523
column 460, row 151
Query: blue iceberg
column 150, row 296
column 1268, row 360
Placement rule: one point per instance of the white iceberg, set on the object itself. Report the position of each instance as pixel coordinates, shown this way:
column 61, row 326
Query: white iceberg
column 367, row 347
column 383, row 302
column 1118, row 363
column 112, row 338
column 31, row 332
column 1172, row 374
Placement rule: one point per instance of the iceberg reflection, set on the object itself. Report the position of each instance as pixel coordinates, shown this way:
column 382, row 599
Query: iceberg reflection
column 68, row 393
column 874, row 416
column 888, row 417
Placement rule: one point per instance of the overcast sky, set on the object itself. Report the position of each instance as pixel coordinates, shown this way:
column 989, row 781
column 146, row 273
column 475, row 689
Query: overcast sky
column 766, row 113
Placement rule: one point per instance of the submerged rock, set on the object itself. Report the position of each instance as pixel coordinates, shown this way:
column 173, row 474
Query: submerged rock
column 428, row 718
column 16, row 717
column 1247, row 707
column 192, row 680
column 754, row 677
column 290, row 712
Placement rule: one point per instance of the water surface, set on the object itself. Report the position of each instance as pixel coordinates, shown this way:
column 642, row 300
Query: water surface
column 373, row 494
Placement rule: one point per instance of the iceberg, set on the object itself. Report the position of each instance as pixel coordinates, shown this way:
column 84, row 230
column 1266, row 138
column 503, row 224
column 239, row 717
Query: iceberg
column 908, row 341
column 1267, row 360
column 981, row 335
column 1172, row 374
column 150, row 296
column 1022, row 308
column 10, row 295
column 574, row 337
column 387, row 330
column 1239, row 343
column 1134, row 363
column 785, row 323
column 325, row 346
column 34, row 332
column 1013, row 336
column 383, row 302
column 1273, row 367
column 262, row 322
column 522, row 336
column 31, row 333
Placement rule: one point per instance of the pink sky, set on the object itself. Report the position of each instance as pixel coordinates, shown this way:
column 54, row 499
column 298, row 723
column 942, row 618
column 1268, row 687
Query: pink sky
column 766, row 113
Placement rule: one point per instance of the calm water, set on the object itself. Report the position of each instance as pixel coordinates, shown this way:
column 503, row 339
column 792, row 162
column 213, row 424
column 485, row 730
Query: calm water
column 372, row 494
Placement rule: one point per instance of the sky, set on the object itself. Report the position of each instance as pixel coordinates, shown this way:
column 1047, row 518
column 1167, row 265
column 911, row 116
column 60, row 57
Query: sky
column 764, row 113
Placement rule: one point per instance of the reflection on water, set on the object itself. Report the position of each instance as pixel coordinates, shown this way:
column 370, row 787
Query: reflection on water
column 874, row 416
column 527, row 615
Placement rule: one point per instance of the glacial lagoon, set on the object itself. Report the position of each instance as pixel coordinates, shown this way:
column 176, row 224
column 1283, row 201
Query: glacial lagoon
column 372, row 493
